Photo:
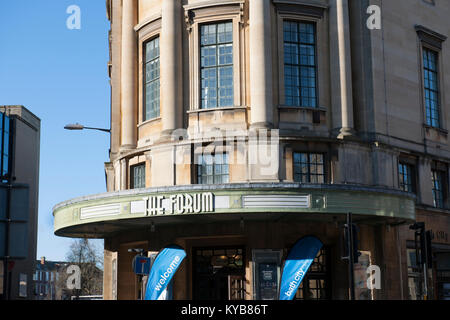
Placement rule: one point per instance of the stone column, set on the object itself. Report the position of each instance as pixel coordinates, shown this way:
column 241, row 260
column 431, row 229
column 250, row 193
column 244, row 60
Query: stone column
column 171, row 64
column 107, row 275
column 261, row 92
column 129, row 75
column 341, row 61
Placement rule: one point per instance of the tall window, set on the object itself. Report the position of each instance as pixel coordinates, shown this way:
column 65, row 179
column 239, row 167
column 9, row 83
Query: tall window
column 213, row 169
column 437, row 178
column 309, row 168
column 216, row 49
column 138, row 176
column 431, row 87
column 151, row 79
column 300, row 64
column 4, row 144
column 405, row 177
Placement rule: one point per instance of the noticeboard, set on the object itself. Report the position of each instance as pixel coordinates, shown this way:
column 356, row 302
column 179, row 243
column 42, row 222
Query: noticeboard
column 268, row 280
column 266, row 273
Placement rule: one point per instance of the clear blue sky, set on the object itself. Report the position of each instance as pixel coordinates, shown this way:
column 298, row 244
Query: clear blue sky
column 61, row 76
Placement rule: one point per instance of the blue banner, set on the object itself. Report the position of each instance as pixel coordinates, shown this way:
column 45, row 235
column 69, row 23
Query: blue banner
column 297, row 264
column 163, row 269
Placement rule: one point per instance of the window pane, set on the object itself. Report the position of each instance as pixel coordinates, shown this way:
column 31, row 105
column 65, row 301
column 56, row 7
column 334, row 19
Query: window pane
column 225, row 32
column 208, row 34
column 152, row 49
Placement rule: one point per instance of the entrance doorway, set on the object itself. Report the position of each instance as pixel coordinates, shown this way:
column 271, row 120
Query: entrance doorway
column 218, row 273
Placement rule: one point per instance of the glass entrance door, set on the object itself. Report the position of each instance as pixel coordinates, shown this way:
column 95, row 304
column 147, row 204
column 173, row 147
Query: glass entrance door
column 218, row 273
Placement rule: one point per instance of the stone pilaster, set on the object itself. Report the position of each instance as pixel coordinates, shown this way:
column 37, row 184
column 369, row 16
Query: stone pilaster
column 341, row 66
column 129, row 75
column 171, row 66
column 261, row 92
column 123, row 174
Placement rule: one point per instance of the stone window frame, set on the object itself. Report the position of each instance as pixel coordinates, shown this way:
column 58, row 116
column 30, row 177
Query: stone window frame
column 132, row 175
column 144, row 79
column 312, row 102
column 217, row 66
column 300, row 12
column 215, row 12
column 140, row 159
column 325, row 160
column 442, row 169
column 287, row 164
column 212, row 148
column 431, row 40
column 146, row 31
column 410, row 175
column 439, row 93
column 214, row 174
column 411, row 161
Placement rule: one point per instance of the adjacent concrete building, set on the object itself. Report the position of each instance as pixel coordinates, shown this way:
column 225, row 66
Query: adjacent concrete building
column 240, row 126
column 19, row 193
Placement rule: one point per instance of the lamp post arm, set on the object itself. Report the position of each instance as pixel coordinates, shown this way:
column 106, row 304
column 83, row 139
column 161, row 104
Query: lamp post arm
column 99, row 129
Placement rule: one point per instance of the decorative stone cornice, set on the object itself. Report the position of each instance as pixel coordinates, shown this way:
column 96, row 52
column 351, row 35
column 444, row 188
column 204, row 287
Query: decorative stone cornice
column 308, row 8
column 430, row 37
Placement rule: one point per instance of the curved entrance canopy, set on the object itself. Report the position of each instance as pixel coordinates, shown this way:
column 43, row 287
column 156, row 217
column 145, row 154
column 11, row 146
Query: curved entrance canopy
column 99, row 216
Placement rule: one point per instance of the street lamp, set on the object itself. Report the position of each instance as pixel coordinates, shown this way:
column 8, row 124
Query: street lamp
column 78, row 126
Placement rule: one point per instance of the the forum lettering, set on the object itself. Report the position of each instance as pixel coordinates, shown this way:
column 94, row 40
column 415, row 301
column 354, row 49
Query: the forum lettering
column 179, row 204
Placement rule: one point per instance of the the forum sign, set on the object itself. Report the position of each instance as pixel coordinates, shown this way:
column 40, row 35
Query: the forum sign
column 182, row 203
column 155, row 205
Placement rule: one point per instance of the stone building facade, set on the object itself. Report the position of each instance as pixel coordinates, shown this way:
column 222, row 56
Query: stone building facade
column 354, row 119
